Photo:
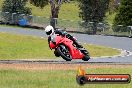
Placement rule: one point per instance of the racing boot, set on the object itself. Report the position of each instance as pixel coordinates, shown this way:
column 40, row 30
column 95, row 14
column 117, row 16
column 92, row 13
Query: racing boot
column 78, row 45
column 74, row 41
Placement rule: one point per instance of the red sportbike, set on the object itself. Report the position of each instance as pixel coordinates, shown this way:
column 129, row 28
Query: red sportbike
column 65, row 48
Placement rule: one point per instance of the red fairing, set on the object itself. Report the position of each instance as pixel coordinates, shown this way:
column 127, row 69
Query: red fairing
column 75, row 53
column 52, row 45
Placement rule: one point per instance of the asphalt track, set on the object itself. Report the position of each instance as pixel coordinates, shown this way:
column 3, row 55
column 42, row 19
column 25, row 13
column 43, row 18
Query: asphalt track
column 123, row 43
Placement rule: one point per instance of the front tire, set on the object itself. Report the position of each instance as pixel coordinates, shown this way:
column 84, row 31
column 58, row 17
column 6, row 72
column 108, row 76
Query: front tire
column 64, row 52
column 86, row 58
column 56, row 53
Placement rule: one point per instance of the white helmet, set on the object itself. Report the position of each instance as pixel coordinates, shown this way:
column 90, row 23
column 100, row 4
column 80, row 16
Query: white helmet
column 49, row 30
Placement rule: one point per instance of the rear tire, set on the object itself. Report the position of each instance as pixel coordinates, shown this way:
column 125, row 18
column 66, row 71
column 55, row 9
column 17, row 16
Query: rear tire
column 64, row 52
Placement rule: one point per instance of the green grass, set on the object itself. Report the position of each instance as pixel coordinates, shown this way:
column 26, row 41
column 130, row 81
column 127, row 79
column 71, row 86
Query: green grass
column 27, row 47
column 1, row 1
column 22, row 47
column 68, row 11
column 98, row 51
column 110, row 17
column 10, row 78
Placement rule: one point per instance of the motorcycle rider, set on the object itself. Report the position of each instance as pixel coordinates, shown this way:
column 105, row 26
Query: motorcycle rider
column 51, row 31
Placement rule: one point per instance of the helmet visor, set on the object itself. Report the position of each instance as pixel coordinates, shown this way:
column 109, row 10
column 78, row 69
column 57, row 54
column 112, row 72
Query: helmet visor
column 49, row 32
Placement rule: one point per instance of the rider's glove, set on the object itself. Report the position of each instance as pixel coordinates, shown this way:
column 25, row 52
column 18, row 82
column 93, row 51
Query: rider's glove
column 64, row 33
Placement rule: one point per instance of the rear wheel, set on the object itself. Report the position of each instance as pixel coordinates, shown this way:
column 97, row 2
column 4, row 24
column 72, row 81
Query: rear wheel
column 64, row 52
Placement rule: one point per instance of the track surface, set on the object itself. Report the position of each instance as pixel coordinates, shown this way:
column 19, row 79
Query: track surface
column 110, row 41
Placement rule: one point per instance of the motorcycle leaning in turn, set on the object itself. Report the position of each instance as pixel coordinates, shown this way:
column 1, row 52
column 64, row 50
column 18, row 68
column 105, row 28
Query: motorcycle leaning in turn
column 65, row 48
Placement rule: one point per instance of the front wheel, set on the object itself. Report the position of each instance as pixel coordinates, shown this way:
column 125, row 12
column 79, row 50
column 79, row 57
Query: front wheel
column 64, row 52
column 86, row 54
column 56, row 53
column 86, row 58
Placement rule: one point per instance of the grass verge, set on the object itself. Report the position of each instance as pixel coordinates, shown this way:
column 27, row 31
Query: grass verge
column 68, row 11
column 56, row 78
column 14, row 46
